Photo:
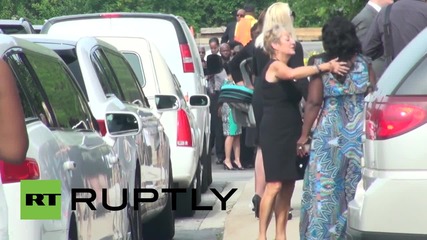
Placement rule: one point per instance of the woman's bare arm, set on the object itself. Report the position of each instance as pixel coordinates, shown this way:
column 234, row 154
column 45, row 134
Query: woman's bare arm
column 281, row 71
column 13, row 132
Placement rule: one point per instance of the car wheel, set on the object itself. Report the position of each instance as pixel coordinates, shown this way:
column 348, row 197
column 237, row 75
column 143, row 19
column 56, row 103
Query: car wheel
column 207, row 169
column 198, row 184
column 135, row 215
column 185, row 200
column 72, row 233
column 165, row 219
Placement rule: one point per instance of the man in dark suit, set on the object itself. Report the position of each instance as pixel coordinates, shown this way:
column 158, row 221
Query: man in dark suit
column 228, row 35
column 363, row 21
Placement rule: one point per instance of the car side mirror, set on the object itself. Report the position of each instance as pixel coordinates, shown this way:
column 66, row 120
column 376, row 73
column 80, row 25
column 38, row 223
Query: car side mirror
column 167, row 102
column 123, row 124
column 199, row 101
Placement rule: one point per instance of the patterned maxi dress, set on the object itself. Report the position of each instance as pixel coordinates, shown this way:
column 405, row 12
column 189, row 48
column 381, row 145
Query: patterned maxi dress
column 334, row 171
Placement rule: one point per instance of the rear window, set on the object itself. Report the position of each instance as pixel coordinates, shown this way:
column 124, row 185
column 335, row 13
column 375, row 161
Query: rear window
column 12, row 29
column 415, row 82
column 135, row 62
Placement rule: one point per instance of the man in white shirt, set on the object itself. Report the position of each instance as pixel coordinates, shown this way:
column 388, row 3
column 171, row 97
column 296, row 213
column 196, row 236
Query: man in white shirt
column 363, row 21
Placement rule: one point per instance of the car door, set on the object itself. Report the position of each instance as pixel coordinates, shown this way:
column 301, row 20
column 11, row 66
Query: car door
column 44, row 148
column 152, row 166
column 94, row 163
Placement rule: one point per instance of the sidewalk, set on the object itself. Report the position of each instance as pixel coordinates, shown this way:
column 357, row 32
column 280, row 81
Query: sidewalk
column 242, row 224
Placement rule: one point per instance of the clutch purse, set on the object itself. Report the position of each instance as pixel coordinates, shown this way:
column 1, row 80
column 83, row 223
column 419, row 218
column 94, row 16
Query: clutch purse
column 302, row 162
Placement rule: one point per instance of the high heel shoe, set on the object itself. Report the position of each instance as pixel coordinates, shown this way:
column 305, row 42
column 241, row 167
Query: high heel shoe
column 256, row 200
column 237, row 166
column 226, row 167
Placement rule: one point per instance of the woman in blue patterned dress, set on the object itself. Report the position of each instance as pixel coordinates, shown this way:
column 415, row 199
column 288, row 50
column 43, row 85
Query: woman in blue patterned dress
column 333, row 171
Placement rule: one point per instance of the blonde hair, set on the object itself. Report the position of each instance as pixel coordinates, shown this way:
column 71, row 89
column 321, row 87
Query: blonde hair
column 273, row 36
column 277, row 13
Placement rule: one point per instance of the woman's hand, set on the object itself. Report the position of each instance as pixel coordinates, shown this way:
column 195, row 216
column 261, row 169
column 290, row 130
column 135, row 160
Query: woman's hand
column 340, row 68
column 301, row 150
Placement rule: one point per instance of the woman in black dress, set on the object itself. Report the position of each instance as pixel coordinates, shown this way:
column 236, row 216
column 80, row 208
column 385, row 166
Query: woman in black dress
column 281, row 125
column 277, row 13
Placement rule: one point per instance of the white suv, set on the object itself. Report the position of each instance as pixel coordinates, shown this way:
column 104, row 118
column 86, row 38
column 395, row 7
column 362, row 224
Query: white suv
column 169, row 33
column 390, row 201
column 110, row 84
column 190, row 169
column 63, row 145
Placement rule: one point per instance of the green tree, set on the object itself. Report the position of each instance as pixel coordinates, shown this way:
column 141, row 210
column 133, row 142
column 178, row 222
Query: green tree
column 197, row 13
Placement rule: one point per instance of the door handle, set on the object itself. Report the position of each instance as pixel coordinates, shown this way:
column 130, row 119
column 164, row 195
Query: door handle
column 69, row 165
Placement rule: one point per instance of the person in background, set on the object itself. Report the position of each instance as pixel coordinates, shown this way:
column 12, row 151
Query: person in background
column 215, row 76
column 277, row 13
column 243, row 27
column 281, row 124
column 13, row 132
column 333, row 170
column 225, row 52
column 202, row 53
column 407, row 19
column 235, row 48
column 248, row 146
column 363, row 20
column 228, row 35
column 213, row 47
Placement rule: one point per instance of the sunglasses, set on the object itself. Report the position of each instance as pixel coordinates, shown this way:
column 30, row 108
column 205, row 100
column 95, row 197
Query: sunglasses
column 240, row 15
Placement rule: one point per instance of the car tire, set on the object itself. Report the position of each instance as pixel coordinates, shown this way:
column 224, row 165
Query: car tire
column 207, row 169
column 72, row 233
column 165, row 219
column 199, row 175
column 135, row 222
column 184, row 201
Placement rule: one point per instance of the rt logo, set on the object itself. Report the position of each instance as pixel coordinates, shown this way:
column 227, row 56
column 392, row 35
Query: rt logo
column 41, row 199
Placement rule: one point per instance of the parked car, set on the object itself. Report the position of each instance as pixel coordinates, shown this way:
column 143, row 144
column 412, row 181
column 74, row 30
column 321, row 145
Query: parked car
column 37, row 28
column 172, row 37
column 110, row 84
column 21, row 26
column 64, row 144
column 390, row 198
column 190, row 170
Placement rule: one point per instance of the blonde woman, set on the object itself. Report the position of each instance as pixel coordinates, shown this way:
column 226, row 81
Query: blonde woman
column 281, row 124
column 277, row 13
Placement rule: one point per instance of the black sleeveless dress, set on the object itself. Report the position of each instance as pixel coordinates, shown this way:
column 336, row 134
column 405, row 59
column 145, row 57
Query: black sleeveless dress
column 280, row 129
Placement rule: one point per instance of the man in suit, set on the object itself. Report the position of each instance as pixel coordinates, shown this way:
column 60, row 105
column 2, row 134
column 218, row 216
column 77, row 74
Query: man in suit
column 363, row 21
column 228, row 35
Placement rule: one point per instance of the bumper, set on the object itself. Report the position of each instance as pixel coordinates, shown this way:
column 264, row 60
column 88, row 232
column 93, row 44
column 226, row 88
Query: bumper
column 184, row 165
column 353, row 234
column 389, row 208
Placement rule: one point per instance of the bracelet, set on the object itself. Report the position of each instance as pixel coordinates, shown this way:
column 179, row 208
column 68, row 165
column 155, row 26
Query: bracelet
column 318, row 68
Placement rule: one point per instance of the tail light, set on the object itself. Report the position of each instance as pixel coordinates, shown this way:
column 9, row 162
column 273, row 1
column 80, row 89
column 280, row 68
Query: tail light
column 110, row 15
column 184, row 138
column 388, row 120
column 28, row 170
column 102, row 127
column 187, row 59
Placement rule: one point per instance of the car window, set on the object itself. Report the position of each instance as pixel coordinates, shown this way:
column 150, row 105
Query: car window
column 125, row 76
column 105, row 74
column 67, row 102
column 29, row 91
column 135, row 62
column 414, row 84
column 13, row 29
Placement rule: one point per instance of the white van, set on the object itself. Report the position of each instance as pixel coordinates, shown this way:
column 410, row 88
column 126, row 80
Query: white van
column 171, row 35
